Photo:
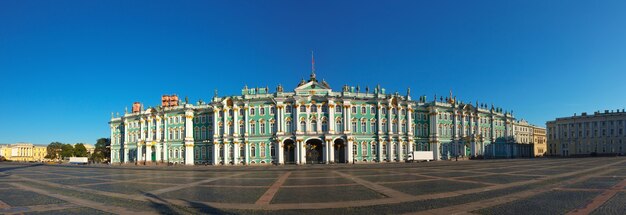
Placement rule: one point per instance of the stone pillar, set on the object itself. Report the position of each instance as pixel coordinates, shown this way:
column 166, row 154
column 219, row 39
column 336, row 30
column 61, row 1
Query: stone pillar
column 148, row 155
column 331, row 117
column 410, row 121
column 331, row 151
column 226, row 157
column 189, row 155
column 166, row 139
column 142, row 136
column 281, row 152
column 326, row 146
column 297, row 117
column 139, row 152
column 159, row 139
column 379, row 153
column 400, row 152
column 247, row 152
column 410, row 145
column 236, row 153
column 216, row 127
column 319, row 119
column 302, row 152
column 235, row 121
column 225, row 121
column 390, row 151
column 389, row 121
column 379, row 121
column 346, row 118
column 125, row 143
column 216, row 152
column 349, row 150
column 297, row 152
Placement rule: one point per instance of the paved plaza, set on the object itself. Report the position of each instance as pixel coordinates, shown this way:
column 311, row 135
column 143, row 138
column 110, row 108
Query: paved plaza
column 523, row 186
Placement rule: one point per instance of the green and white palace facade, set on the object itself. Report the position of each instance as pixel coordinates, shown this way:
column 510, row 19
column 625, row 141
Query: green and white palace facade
column 311, row 124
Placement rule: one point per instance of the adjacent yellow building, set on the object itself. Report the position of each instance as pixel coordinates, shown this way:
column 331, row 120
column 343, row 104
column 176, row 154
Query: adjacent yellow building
column 23, row 152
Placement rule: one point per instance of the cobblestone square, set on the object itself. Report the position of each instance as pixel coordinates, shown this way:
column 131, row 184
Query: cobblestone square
column 548, row 186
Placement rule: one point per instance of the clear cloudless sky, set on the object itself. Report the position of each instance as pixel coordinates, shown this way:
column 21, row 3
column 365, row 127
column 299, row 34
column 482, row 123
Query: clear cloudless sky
column 66, row 65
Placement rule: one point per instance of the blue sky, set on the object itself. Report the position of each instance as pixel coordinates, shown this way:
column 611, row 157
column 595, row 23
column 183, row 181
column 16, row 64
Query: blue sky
column 66, row 65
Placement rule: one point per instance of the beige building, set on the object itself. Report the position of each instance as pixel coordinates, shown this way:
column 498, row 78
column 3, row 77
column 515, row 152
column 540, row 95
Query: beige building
column 539, row 139
column 23, row 152
column 526, row 133
column 599, row 134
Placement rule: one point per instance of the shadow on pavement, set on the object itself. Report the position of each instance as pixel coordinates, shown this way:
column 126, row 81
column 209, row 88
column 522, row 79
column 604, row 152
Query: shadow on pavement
column 165, row 207
column 18, row 166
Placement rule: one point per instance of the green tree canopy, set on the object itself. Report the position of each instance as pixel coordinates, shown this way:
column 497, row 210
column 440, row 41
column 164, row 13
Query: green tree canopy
column 67, row 151
column 54, row 150
column 80, row 150
column 102, row 152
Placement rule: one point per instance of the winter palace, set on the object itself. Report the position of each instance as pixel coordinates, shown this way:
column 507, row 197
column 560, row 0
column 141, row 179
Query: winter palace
column 312, row 124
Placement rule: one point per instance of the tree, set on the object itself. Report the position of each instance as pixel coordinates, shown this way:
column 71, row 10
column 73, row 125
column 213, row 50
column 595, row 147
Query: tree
column 80, row 150
column 102, row 152
column 53, row 151
column 67, row 150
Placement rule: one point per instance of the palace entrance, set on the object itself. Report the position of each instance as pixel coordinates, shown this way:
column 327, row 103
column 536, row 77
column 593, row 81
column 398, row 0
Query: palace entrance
column 289, row 151
column 340, row 151
column 314, row 151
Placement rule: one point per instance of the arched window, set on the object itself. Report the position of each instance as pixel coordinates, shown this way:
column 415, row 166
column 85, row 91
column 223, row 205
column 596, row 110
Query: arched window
column 313, row 108
column 253, row 127
column 373, row 126
column 314, row 125
column 288, row 126
column 242, row 151
column 261, row 110
column 394, row 111
column 363, row 149
column 241, row 112
column 384, row 149
column 373, row 110
column 303, row 125
column 252, row 111
column 373, row 149
column 272, row 150
column 242, row 127
column 384, row 110
column 203, row 152
column 338, row 125
column 403, row 125
column 272, row 110
column 363, row 110
column 288, row 109
column 261, row 127
column 363, row 126
column 394, row 127
column 338, row 109
column 302, row 108
column 354, row 128
column 262, row 150
column 384, row 126
column 253, row 151
column 324, row 125
column 203, row 133
column 353, row 109
column 324, row 108
column 272, row 127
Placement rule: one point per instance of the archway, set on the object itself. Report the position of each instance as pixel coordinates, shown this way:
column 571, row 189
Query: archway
column 340, row 151
column 289, row 151
column 314, row 151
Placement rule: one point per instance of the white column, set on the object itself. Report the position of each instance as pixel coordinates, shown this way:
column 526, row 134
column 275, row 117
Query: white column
column 216, row 130
column 216, row 152
column 139, row 152
column 400, row 152
column 236, row 153
column 297, row 118
column 142, row 127
column 148, row 155
column 331, row 117
column 125, row 143
column 319, row 119
column 331, row 151
column 297, row 151
column 410, row 145
column 389, row 122
column 247, row 152
column 325, row 155
column 379, row 147
column 302, row 153
column 379, row 120
column 149, row 137
column 189, row 138
column 350, row 154
column 235, row 120
column 225, row 121
column 346, row 119
column 390, row 151
column 281, row 153
column 166, row 138
column 307, row 119
column 226, row 158
column 159, row 139
column 410, row 121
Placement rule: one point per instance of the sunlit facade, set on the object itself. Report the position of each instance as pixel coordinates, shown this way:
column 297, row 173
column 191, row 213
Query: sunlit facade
column 311, row 124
